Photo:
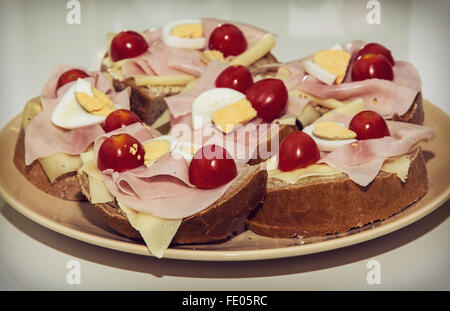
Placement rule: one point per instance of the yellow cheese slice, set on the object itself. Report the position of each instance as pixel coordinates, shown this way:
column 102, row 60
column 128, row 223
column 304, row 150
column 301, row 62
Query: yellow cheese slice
column 98, row 191
column 399, row 166
column 163, row 80
column 329, row 103
column 59, row 164
column 156, row 232
column 349, row 109
column 32, row 108
column 333, row 61
column 308, row 115
column 292, row 177
column 255, row 52
column 87, row 156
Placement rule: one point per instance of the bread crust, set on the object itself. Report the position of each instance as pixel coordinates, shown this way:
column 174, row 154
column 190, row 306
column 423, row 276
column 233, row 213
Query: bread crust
column 328, row 205
column 65, row 187
column 214, row 224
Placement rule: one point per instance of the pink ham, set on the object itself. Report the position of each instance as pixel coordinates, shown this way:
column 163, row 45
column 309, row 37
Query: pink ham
column 362, row 160
column 42, row 138
column 181, row 104
column 163, row 60
column 252, row 34
column 391, row 97
column 162, row 189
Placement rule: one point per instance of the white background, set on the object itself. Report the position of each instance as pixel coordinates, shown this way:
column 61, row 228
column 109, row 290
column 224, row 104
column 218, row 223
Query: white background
column 35, row 35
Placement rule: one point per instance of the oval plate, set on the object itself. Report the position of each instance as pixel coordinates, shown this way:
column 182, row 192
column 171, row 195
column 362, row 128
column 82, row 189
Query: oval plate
column 78, row 220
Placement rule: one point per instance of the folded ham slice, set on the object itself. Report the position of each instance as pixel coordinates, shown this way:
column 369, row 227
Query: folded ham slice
column 42, row 138
column 163, row 60
column 162, row 189
column 362, row 160
column 390, row 97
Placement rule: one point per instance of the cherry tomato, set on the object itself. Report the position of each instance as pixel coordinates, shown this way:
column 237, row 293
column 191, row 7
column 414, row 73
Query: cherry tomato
column 227, row 39
column 371, row 66
column 269, row 97
column 368, row 124
column 120, row 152
column 71, row 75
column 127, row 44
column 211, row 167
column 375, row 48
column 237, row 78
column 297, row 150
column 120, row 118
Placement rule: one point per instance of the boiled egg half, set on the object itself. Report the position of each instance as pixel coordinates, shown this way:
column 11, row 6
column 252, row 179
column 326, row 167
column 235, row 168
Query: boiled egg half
column 211, row 101
column 185, row 33
column 69, row 114
column 332, row 136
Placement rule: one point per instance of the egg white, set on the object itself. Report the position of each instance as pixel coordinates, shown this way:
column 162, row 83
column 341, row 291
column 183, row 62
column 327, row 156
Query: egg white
column 325, row 144
column 69, row 114
column 177, row 42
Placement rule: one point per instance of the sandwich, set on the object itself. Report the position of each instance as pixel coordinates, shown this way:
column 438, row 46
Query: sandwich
column 165, row 191
column 166, row 61
column 62, row 123
column 331, row 78
column 347, row 169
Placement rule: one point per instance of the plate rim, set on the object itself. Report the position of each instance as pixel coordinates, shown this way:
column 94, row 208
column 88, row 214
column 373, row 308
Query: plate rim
column 228, row 255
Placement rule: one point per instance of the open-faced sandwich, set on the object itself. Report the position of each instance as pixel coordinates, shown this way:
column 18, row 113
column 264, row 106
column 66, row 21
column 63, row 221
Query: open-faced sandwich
column 61, row 124
column 165, row 191
column 166, row 61
column 331, row 78
column 348, row 169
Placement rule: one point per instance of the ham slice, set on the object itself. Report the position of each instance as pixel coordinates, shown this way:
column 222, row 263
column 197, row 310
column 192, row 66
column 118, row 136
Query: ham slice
column 42, row 138
column 163, row 60
column 181, row 104
column 391, row 97
column 362, row 160
column 162, row 189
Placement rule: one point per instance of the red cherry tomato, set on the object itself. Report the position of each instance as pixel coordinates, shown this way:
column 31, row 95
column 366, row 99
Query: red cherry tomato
column 71, row 75
column 375, row 48
column 127, row 44
column 237, row 78
column 368, row 124
column 120, row 118
column 371, row 66
column 227, row 39
column 269, row 97
column 120, row 152
column 212, row 167
column 297, row 150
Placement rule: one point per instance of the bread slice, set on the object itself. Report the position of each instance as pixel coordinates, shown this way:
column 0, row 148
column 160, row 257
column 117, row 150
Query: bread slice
column 317, row 206
column 215, row 224
column 65, row 187
column 148, row 101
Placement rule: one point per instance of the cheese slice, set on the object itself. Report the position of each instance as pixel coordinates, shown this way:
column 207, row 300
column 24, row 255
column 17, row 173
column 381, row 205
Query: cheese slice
column 156, row 232
column 59, row 164
column 399, row 166
column 163, row 80
column 292, row 177
column 329, row 103
column 349, row 109
column 255, row 52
